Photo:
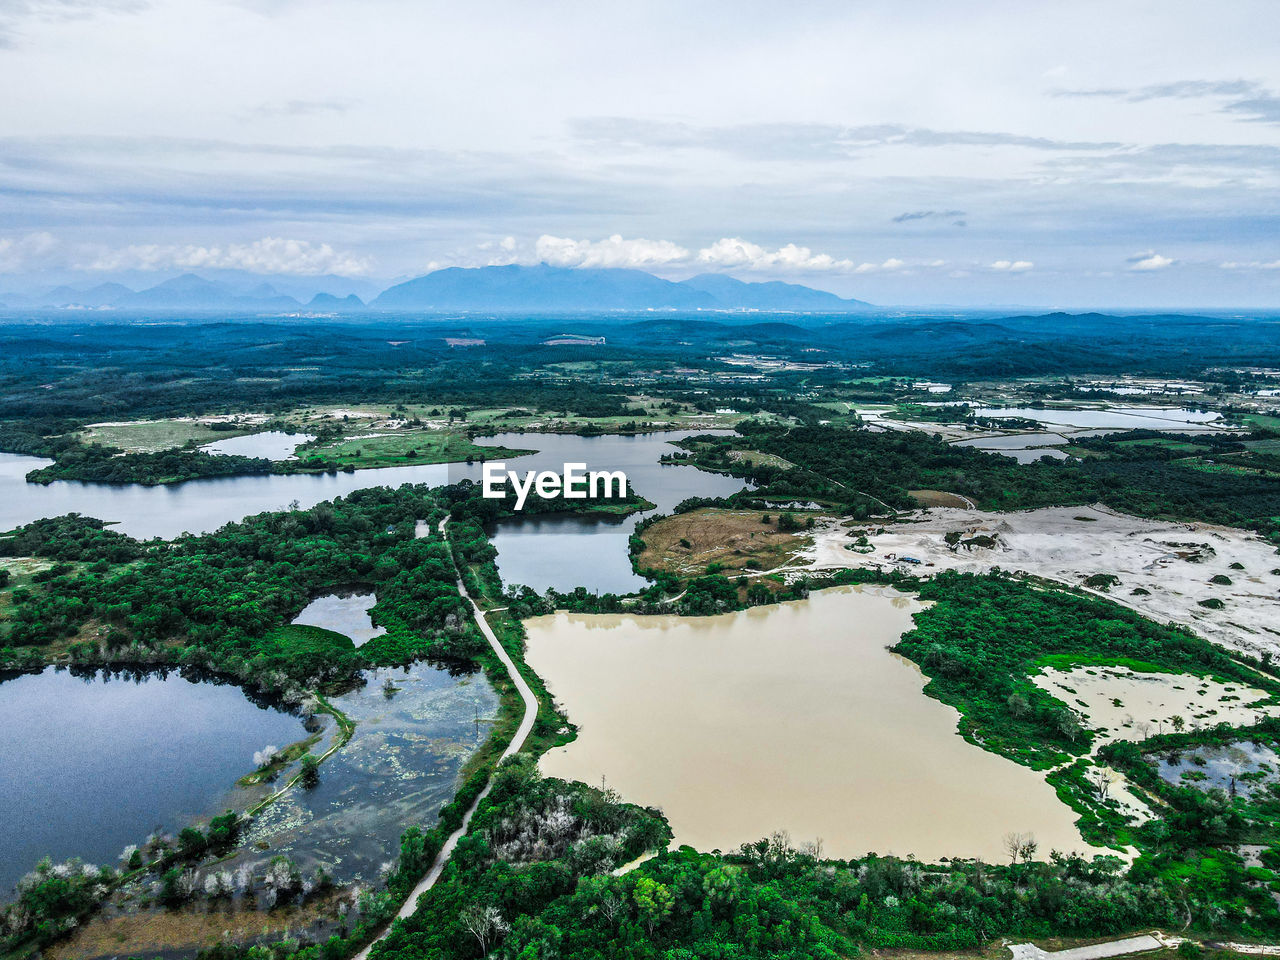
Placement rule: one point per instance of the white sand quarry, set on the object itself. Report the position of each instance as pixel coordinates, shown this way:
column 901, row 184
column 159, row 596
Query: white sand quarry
column 1172, row 562
column 1122, row 704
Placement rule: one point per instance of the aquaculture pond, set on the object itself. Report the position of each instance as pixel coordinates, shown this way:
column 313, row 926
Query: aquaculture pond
column 90, row 763
column 1175, row 419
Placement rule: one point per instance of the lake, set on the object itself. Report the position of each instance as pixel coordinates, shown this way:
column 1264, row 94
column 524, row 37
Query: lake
column 790, row 717
column 92, row 764
column 590, row 553
column 565, row 551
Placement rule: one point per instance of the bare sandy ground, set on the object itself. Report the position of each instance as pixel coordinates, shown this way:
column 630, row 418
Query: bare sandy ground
column 1172, row 562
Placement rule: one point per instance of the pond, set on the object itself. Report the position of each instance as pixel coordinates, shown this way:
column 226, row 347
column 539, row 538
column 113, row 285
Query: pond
column 1023, row 447
column 1221, row 766
column 270, row 445
column 94, row 763
column 415, row 729
column 346, row 613
column 790, row 717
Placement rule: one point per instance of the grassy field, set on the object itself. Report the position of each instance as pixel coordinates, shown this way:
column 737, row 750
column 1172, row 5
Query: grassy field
column 1164, row 443
column 150, row 436
column 404, row 447
column 644, row 415
column 734, row 540
column 756, row 458
column 1204, row 466
column 20, row 572
column 1262, row 420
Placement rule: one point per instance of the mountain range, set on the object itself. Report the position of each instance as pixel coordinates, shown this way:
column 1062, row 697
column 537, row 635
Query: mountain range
column 500, row 289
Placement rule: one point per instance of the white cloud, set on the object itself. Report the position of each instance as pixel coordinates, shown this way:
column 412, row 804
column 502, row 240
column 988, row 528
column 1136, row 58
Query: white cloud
column 613, row 252
column 1251, row 265
column 1013, row 266
column 1149, row 261
column 22, row 253
column 893, row 263
column 729, row 252
column 270, row 255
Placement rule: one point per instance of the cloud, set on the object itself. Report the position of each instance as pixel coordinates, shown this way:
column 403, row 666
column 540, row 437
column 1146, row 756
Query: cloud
column 1264, row 108
column 1251, row 100
column 800, row 141
column 23, row 253
column 927, row 215
column 736, row 252
column 893, row 263
column 302, row 108
column 1012, row 266
column 1149, row 261
column 1251, row 265
column 270, row 255
column 1176, row 90
column 612, row 252
column 727, row 253
column 13, row 13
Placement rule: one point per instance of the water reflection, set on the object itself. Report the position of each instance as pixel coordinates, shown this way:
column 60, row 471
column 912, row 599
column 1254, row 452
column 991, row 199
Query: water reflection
column 345, row 612
column 415, row 728
column 90, row 763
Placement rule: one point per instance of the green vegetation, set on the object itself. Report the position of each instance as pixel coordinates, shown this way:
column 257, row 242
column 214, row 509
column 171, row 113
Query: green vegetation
column 218, row 601
column 399, row 448
column 871, row 473
column 984, row 637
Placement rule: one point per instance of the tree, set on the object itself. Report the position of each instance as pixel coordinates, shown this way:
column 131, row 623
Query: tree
column 310, row 772
column 484, row 923
column 1101, row 778
column 1013, row 846
column 654, row 902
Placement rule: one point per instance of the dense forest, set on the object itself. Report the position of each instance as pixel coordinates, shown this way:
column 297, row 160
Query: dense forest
column 982, row 638
column 117, row 368
column 217, row 601
column 869, row 473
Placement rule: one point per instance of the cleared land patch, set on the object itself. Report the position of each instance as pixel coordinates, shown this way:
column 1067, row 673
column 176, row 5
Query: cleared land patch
column 738, row 540
column 151, row 436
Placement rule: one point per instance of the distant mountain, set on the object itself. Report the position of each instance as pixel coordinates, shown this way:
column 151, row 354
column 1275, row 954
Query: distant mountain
column 327, row 301
column 190, row 292
column 540, row 288
column 735, row 294
column 504, row 289
column 544, row 288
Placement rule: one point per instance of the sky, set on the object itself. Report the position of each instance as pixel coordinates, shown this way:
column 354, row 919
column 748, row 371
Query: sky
column 1090, row 154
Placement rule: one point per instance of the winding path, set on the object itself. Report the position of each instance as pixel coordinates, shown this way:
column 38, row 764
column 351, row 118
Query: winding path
column 517, row 741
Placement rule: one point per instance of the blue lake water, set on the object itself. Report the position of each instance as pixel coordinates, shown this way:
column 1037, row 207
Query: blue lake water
column 89, row 765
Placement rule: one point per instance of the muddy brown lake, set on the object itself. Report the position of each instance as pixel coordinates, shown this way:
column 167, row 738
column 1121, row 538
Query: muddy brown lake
column 791, row 717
